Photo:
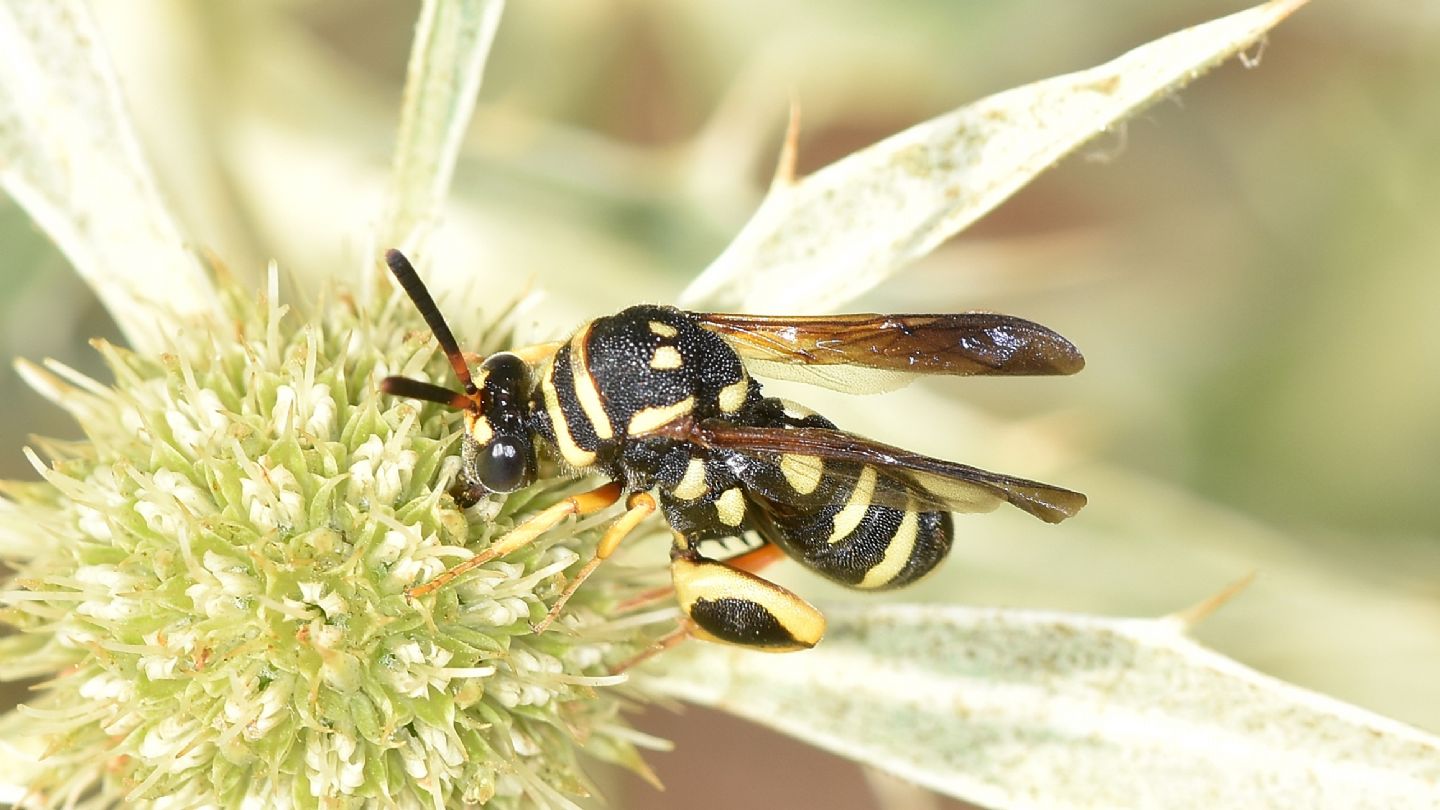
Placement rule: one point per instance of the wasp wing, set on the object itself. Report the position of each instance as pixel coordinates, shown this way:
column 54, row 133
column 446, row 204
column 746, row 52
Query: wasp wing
column 924, row 482
column 870, row 352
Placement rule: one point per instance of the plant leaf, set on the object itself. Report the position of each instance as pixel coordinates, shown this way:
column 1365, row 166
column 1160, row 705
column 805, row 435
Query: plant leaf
column 1010, row 708
column 820, row 242
column 70, row 158
column 447, row 62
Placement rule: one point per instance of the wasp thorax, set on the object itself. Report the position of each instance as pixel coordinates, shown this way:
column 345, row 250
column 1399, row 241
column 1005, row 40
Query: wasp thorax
column 499, row 454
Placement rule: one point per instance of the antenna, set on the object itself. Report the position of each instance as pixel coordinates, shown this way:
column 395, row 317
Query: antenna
column 410, row 281
column 414, row 389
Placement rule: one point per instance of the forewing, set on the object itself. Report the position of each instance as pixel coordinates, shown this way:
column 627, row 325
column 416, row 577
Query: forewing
column 885, row 351
column 932, row 483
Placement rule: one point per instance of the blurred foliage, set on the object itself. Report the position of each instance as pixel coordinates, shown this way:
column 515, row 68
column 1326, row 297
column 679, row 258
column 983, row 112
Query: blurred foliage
column 1250, row 270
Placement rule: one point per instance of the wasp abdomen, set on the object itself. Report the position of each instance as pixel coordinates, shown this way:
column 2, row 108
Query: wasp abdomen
column 848, row 521
column 848, row 537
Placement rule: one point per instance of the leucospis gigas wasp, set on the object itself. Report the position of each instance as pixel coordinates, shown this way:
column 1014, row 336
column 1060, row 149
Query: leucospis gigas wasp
column 660, row 400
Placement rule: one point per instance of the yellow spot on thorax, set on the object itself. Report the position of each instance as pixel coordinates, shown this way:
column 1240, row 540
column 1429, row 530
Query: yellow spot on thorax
column 666, row 357
column 732, row 396
column 648, row 419
column 692, row 485
column 663, row 329
column 730, row 507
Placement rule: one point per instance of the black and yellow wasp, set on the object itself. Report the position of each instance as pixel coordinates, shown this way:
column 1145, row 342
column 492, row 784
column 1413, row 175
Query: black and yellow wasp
column 657, row 399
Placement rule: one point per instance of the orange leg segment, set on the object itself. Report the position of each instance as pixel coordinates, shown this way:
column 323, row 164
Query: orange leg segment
column 757, row 559
column 640, row 506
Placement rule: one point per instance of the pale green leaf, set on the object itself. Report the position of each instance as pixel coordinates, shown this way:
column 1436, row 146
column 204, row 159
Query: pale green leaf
column 447, row 63
column 68, row 155
column 1343, row 625
column 1027, row 709
column 820, row 242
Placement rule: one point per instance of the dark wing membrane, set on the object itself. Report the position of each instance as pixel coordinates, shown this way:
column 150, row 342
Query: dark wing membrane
column 963, row 343
column 932, row 483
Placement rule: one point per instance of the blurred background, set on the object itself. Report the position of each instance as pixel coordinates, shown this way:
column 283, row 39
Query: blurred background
column 1249, row 267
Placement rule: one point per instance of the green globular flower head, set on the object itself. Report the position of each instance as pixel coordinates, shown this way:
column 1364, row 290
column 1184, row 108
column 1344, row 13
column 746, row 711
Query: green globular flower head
column 212, row 585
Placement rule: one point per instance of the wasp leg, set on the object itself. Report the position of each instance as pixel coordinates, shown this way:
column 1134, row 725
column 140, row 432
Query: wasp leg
column 757, row 559
column 467, row 495
column 733, row 606
column 753, row 561
column 724, row 602
column 649, row 597
column 517, row 538
column 640, row 506
column 665, row 642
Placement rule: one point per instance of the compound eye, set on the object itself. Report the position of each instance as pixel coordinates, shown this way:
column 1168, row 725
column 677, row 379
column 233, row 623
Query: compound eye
column 503, row 465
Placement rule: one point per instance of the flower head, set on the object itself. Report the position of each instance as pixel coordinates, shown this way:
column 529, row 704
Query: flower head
column 218, row 574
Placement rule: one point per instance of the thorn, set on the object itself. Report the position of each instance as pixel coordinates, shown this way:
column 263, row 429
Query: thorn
column 789, row 150
column 1190, row 617
column 641, row 768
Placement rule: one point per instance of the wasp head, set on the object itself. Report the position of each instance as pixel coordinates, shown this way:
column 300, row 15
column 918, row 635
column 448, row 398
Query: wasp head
column 498, row 452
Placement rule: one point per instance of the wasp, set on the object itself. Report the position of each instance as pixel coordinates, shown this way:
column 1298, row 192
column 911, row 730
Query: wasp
column 660, row 400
